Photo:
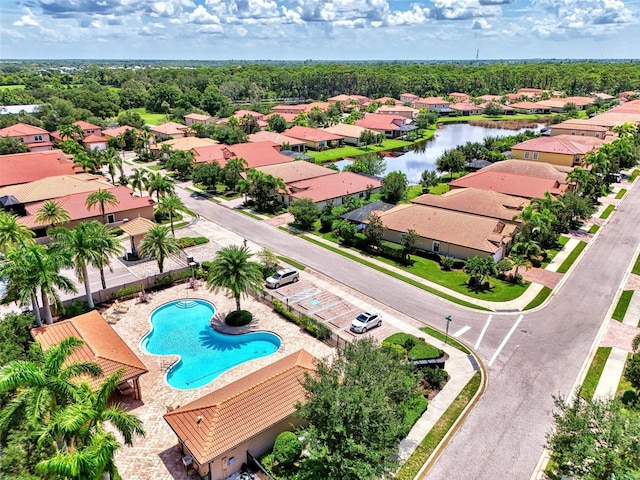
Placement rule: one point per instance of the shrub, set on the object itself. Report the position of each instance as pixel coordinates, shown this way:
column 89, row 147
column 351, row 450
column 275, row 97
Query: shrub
column 206, row 266
column 435, row 377
column 310, row 325
column 395, row 349
column 630, row 398
column 287, row 448
column 127, row 291
column 201, row 240
column 164, row 281
column 391, row 250
column 446, row 263
column 116, row 232
column 238, row 318
column 77, row 307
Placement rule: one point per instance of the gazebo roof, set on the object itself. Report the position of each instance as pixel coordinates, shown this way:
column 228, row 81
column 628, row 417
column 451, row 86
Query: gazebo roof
column 137, row 226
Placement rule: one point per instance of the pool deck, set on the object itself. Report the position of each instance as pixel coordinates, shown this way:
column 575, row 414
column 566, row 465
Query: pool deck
column 131, row 322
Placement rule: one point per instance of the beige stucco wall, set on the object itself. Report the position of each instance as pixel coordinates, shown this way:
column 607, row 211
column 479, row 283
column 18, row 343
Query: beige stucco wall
column 553, row 158
column 575, row 130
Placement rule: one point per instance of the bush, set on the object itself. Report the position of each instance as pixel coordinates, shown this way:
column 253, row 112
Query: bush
column 446, row 263
column 392, row 250
column 287, row 448
column 127, row 291
column 185, row 242
column 238, row 318
column 77, row 307
column 310, row 325
column 116, row 232
column 395, row 350
column 435, row 377
column 630, row 398
column 206, row 266
column 164, row 281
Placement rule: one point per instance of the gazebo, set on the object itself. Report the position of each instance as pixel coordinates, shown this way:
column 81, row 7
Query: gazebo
column 136, row 229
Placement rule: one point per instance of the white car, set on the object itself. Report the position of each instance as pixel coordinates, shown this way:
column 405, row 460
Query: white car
column 366, row 321
column 282, row 277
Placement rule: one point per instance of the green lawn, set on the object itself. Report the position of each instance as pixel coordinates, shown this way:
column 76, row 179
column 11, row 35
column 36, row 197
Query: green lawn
column 564, row 267
column 414, row 463
column 634, row 174
column 539, row 299
column 350, row 151
column 12, row 87
column 291, row 262
column 594, row 228
column 636, row 267
column 471, row 118
column 416, row 190
column 595, row 371
column 420, row 351
column 552, row 252
column 624, row 384
column 621, row 193
column 441, row 336
column 607, row 211
column 622, row 306
column 150, row 118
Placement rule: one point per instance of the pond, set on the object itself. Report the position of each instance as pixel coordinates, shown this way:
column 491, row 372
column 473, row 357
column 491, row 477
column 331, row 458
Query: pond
column 425, row 154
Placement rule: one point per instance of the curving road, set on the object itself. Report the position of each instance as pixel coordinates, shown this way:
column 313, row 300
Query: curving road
column 530, row 357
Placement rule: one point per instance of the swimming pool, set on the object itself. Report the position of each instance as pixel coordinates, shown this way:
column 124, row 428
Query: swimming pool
column 183, row 328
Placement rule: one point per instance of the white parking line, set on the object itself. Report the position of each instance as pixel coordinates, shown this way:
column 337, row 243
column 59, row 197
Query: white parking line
column 484, row 329
column 506, row 339
column 462, row 331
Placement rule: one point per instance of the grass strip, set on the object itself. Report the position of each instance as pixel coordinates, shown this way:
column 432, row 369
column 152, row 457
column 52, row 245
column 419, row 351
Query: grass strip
column 291, row 262
column 621, row 193
column 636, row 267
column 594, row 228
column 634, row 174
column 575, row 253
column 395, row 275
column 624, row 384
column 607, row 211
column 595, row 371
column 622, row 306
column 539, row 299
column 441, row 336
column 248, row 214
column 414, row 463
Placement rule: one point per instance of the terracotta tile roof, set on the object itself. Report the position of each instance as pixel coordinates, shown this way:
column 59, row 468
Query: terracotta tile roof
column 293, row 109
column 212, row 153
column 20, row 129
column 409, row 95
column 311, row 134
column 471, row 231
column 345, row 130
column 198, row 117
column 102, row 345
column 475, row 201
column 75, row 204
column 580, row 101
column 54, row 187
column 137, row 226
column 491, row 98
column 275, row 137
column 331, row 186
column 296, row 171
column 241, row 113
column 579, row 125
column 391, row 109
column 531, row 169
column 590, row 141
column 86, row 125
column 259, row 154
column 227, row 417
column 93, row 138
column 288, row 117
column 375, row 121
column 169, row 128
column 553, row 144
column 27, row 167
column 527, row 105
column 432, row 101
column 321, row 105
column 186, row 143
column 465, row 107
column 114, row 132
column 510, row 184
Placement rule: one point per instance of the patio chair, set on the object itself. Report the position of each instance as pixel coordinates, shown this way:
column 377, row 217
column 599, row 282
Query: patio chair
column 119, row 308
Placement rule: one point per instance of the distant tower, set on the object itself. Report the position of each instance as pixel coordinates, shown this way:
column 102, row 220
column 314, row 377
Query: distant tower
column 477, row 54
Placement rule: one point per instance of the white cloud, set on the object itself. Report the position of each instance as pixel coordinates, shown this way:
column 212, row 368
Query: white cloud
column 27, row 20
column 463, row 9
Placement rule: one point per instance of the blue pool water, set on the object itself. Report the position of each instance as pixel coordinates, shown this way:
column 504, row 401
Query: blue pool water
column 183, row 328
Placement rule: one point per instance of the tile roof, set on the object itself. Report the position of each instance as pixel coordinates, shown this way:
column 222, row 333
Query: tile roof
column 241, row 113
column 391, row 109
column 485, row 203
column 296, row 171
column 212, row 153
column 510, row 184
column 293, row 109
column 20, row 129
column 579, row 125
column 54, row 187
column 345, row 130
column 465, row 106
column 526, row 105
column 114, row 132
column 102, row 345
column 186, row 143
column 86, row 125
column 259, row 154
column 198, row 117
column 580, row 101
column 137, row 226
column 169, row 128
column 586, row 140
column 432, row 101
column 553, row 144
column 409, row 95
column 279, row 138
column 491, row 98
column 227, row 417
column 331, row 186
column 531, row 169
column 471, row 231
column 27, row 167
column 93, row 138
column 321, row 105
column 288, row 117
column 311, row 134
column 377, row 121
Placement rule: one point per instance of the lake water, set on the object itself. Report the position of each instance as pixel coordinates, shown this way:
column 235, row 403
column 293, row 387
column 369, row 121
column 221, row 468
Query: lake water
column 424, row 157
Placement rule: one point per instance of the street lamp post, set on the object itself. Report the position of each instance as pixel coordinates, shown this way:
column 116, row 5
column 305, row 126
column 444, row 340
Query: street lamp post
column 446, row 336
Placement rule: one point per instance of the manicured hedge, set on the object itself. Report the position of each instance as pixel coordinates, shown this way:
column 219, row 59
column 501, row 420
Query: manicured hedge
column 238, row 318
column 310, row 325
column 185, row 242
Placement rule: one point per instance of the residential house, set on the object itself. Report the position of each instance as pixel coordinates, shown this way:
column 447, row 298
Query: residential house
column 398, row 111
column 601, row 97
column 448, row 232
column 219, row 153
column 288, row 117
column 296, row 171
column 520, row 178
column 102, row 345
column 192, row 118
column 89, row 128
column 324, row 106
column 459, row 97
column 513, row 97
column 580, row 128
column 627, row 112
column 36, row 138
column 625, row 96
column 554, row 150
column 264, row 136
column 350, row 102
column 219, row 431
column 530, row 107
column 360, row 216
column 168, row 130
column 408, row 98
column 491, row 98
column 386, row 101
column 433, row 104
column 475, row 201
column 332, row 188
column 256, row 154
column 289, row 109
column 117, row 131
column 183, row 144
column 349, row 133
column 391, row 126
column 18, row 168
column 95, row 142
column 258, row 117
column 466, row 108
column 314, row 137
column 581, row 103
column 532, row 93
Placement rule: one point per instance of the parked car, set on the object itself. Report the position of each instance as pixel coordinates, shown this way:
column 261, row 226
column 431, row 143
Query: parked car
column 282, row 277
column 366, row 321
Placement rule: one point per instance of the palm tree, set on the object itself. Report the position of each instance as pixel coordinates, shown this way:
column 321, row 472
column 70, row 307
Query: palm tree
column 232, row 270
column 101, row 198
column 635, row 344
column 171, row 205
column 88, row 161
column 71, row 131
column 139, row 179
column 519, row 260
column 580, row 178
column 159, row 184
column 113, row 161
column 159, row 244
column 20, row 287
column 108, row 246
column 12, row 233
column 51, row 212
column 84, row 245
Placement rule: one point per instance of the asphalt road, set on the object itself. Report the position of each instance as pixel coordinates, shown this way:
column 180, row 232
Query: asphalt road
column 530, row 357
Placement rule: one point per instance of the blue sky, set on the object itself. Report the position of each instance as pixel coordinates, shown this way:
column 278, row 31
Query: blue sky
column 314, row 29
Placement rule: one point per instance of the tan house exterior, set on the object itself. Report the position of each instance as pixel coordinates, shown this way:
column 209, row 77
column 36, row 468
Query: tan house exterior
column 398, row 111
column 579, row 128
column 331, row 188
column 408, row 98
column 431, row 104
column 553, row 150
column 349, row 133
column 192, row 118
column 168, row 130
column 314, row 137
column 37, row 139
column 218, row 431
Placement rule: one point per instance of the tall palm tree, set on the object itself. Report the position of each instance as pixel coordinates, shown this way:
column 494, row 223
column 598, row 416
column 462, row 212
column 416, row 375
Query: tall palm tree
column 84, row 245
column 160, row 185
column 12, row 233
column 52, row 213
column 20, row 287
column 159, row 244
column 101, row 198
column 88, row 161
column 113, row 162
column 107, row 246
column 232, row 270
column 171, row 205
column 139, row 179
column 580, row 178
column 71, row 131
